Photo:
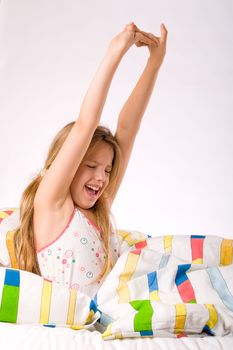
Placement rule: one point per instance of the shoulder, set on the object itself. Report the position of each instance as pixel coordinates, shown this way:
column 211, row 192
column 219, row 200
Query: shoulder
column 49, row 222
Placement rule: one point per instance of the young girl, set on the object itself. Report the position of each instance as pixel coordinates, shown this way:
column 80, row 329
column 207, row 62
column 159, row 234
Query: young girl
column 65, row 227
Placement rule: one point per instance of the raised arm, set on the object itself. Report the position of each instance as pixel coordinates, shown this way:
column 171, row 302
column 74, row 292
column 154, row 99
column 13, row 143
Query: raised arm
column 133, row 110
column 55, row 185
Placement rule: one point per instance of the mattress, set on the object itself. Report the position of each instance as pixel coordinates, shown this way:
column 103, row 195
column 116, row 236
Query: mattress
column 37, row 337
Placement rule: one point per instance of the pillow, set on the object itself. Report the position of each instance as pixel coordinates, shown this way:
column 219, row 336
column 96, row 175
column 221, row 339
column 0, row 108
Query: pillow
column 27, row 298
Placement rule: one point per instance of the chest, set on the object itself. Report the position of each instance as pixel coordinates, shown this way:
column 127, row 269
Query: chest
column 77, row 247
column 90, row 217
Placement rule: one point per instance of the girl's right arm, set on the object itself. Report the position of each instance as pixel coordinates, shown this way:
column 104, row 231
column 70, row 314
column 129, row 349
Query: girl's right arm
column 54, row 187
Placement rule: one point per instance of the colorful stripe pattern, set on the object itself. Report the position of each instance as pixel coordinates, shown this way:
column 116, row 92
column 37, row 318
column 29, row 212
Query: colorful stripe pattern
column 164, row 261
column 193, row 313
column 10, row 296
column 129, row 237
column 134, row 277
column 143, row 318
column 197, row 249
column 183, row 284
column 140, row 245
column 226, row 253
column 45, row 302
column 11, row 249
column 93, row 310
column 220, row 285
column 180, row 320
column 28, row 298
column 167, row 244
column 5, row 213
column 153, row 285
column 130, row 267
column 71, row 309
column 213, row 319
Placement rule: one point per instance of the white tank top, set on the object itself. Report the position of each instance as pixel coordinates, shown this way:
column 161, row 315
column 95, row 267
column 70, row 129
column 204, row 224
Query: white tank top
column 76, row 257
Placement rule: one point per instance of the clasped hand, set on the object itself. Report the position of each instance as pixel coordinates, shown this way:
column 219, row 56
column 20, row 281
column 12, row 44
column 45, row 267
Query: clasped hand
column 133, row 35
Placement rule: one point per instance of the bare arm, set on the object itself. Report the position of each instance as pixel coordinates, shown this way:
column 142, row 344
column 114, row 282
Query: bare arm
column 131, row 114
column 55, row 185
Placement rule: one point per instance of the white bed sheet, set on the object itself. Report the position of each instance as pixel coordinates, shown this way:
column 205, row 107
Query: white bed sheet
column 23, row 337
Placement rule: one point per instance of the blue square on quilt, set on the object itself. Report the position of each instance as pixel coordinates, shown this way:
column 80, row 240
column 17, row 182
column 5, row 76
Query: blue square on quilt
column 12, row 278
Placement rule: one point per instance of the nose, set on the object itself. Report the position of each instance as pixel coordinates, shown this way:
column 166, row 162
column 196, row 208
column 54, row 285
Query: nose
column 100, row 175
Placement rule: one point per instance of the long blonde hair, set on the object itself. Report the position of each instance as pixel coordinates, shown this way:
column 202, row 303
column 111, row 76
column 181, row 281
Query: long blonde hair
column 24, row 236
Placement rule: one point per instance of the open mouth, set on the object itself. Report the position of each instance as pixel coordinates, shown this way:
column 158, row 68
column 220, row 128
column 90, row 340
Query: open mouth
column 92, row 191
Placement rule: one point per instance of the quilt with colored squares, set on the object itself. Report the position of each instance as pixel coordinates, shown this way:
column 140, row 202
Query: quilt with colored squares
column 171, row 286
column 166, row 286
column 27, row 298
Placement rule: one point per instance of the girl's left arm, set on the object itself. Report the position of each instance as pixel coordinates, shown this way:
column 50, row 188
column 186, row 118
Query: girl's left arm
column 131, row 114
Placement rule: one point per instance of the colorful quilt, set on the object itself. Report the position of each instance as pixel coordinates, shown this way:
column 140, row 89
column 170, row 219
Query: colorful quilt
column 171, row 286
column 166, row 286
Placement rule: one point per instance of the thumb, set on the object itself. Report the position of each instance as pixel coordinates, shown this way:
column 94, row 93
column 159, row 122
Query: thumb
column 130, row 26
column 163, row 31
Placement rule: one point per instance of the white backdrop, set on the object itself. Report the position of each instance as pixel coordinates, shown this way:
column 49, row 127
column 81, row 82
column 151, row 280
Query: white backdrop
column 180, row 176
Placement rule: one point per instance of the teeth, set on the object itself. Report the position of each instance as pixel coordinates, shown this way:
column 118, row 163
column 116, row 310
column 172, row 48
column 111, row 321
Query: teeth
column 93, row 187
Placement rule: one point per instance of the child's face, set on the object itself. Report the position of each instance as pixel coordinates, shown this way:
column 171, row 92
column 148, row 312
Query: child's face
column 92, row 176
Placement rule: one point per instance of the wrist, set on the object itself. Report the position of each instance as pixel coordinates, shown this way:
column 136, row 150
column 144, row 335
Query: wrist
column 153, row 64
column 114, row 54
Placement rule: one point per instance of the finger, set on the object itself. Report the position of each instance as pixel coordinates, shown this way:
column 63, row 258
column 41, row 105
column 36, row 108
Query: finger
column 130, row 26
column 143, row 38
column 153, row 37
column 150, row 35
column 130, row 23
column 136, row 28
column 163, row 30
column 139, row 44
column 139, row 37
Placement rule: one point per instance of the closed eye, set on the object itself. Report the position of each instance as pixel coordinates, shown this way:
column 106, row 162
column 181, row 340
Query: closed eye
column 94, row 166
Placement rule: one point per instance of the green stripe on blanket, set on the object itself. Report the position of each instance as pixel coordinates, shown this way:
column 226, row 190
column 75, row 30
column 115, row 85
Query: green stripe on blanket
column 143, row 319
column 10, row 296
